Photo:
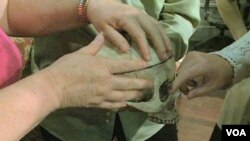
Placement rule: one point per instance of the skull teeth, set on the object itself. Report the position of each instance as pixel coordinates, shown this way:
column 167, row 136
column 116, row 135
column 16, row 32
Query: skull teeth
column 163, row 121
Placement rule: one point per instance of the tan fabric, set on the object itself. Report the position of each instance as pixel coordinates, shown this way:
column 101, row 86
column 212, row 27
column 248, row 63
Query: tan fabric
column 236, row 108
column 24, row 44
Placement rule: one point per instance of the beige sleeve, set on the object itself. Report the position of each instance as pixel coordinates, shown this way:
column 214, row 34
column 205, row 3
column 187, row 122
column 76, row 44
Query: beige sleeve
column 180, row 18
column 238, row 54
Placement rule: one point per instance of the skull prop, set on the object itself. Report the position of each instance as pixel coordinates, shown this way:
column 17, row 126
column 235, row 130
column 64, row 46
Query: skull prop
column 157, row 103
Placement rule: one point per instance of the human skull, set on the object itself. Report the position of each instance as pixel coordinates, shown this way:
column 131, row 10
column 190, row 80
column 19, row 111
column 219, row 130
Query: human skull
column 156, row 102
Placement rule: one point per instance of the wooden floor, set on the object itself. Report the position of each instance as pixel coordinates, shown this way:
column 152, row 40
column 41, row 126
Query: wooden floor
column 197, row 117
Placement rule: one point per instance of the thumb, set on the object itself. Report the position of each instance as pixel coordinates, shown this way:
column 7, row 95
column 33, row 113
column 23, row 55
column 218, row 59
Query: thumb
column 94, row 46
column 175, row 85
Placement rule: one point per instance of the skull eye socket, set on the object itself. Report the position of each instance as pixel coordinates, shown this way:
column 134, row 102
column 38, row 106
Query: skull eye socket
column 163, row 91
column 147, row 95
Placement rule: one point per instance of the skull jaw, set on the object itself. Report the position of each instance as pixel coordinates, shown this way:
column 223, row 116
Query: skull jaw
column 162, row 117
column 168, row 114
column 162, row 113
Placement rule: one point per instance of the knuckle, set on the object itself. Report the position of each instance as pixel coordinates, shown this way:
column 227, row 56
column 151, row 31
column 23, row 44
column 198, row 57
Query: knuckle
column 121, row 97
column 97, row 101
column 100, row 100
column 103, row 90
column 98, row 90
column 133, row 13
column 161, row 49
column 106, row 91
column 156, row 24
column 133, row 82
column 194, row 53
column 143, row 83
column 140, row 36
column 136, row 94
column 122, row 22
column 120, row 105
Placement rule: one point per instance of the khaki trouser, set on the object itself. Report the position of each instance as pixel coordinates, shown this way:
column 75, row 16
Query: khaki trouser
column 236, row 107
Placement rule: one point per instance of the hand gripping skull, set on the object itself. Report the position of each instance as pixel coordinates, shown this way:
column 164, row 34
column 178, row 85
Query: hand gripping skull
column 156, row 102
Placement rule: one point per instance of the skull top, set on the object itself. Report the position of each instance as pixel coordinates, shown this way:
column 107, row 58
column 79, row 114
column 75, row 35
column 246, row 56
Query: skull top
column 156, row 102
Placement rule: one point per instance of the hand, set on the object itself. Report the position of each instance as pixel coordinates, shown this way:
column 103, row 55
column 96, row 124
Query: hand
column 214, row 71
column 83, row 80
column 110, row 17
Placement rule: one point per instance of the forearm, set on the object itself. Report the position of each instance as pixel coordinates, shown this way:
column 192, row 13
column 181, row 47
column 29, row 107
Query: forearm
column 33, row 18
column 23, row 105
column 231, row 15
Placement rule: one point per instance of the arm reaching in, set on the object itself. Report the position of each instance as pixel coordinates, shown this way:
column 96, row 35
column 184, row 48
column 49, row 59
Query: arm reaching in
column 212, row 71
column 64, row 84
column 40, row 17
column 216, row 70
column 231, row 15
column 108, row 16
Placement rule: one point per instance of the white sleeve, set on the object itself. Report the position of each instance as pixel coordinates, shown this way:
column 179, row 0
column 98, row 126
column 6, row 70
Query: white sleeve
column 238, row 55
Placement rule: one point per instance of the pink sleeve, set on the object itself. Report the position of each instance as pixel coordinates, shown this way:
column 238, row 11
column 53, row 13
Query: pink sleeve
column 10, row 61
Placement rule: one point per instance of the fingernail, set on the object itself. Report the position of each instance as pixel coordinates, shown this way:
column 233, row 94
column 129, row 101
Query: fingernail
column 140, row 94
column 170, row 88
column 170, row 54
column 163, row 56
column 99, row 37
column 189, row 97
column 125, row 48
column 147, row 58
column 125, row 104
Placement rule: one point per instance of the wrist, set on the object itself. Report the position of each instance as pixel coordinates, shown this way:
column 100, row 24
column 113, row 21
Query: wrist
column 44, row 86
column 228, row 69
column 238, row 33
column 82, row 11
column 34, row 92
column 89, row 9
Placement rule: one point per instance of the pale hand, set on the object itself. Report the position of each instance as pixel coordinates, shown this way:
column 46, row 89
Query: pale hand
column 110, row 17
column 83, row 80
column 213, row 71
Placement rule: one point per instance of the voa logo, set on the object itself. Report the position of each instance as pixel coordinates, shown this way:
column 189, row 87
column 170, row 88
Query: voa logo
column 236, row 132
